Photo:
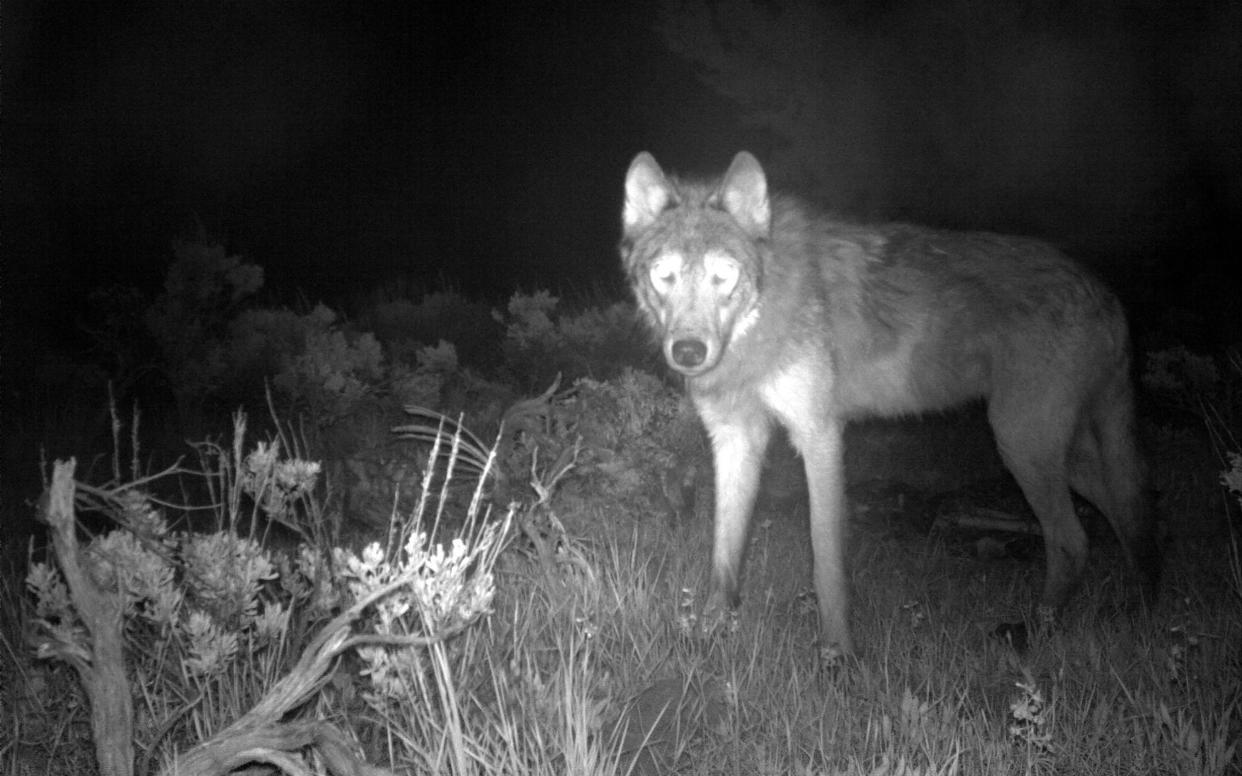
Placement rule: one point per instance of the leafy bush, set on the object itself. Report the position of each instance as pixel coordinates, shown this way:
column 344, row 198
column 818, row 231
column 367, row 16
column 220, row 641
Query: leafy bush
column 644, row 438
column 1187, row 381
column 220, row 618
column 541, row 343
column 404, row 326
column 203, row 291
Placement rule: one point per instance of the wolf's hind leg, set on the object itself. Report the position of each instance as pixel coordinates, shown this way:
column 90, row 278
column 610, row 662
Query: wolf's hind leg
column 1034, row 443
column 1107, row 469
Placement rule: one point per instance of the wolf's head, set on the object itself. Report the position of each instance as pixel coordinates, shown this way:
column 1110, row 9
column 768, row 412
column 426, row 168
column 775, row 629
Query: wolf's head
column 693, row 254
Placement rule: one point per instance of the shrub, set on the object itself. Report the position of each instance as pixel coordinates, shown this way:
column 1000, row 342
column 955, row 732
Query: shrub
column 220, row 618
column 542, row 343
column 203, row 290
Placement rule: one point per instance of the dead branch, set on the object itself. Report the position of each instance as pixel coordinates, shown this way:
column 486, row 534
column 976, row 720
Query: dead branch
column 103, row 669
column 260, row 736
column 983, row 519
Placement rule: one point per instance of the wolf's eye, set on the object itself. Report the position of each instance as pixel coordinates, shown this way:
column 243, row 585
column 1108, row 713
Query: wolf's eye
column 663, row 273
column 663, row 279
column 723, row 273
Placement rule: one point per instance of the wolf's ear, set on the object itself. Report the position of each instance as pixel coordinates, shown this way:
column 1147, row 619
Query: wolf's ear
column 744, row 195
column 647, row 194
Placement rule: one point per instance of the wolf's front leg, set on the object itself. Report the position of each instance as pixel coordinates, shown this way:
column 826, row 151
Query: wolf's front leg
column 823, row 451
column 739, row 440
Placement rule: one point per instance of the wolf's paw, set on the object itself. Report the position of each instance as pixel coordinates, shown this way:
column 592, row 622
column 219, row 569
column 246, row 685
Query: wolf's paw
column 832, row 660
column 698, row 626
column 718, row 620
column 830, row 655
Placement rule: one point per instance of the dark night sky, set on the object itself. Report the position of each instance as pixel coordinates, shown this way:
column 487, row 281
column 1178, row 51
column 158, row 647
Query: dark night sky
column 326, row 141
column 344, row 144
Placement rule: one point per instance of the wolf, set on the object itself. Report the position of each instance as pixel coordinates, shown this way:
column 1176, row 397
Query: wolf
column 776, row 313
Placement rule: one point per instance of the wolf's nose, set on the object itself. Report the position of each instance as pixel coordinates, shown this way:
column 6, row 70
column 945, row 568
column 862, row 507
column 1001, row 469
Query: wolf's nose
column 689, row 352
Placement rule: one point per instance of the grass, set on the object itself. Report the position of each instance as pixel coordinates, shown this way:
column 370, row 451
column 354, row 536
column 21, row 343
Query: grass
column 933, row 692
column 592, row 664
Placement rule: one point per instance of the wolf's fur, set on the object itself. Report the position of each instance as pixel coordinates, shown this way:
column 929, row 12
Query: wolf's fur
column 773, row 312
